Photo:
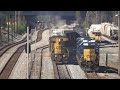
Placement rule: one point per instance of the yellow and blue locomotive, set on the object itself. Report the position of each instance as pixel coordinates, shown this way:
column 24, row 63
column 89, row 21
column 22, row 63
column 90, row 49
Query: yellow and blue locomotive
column 59, row 53
column 87, row 53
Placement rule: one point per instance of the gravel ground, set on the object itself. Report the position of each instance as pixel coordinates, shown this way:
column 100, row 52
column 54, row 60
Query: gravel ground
column 20, row 69
column 47, row 66
column 38, row 66
column 76, row 72
column 109, row 75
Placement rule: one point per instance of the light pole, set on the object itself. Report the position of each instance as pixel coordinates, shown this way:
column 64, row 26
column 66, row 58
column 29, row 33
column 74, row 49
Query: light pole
column 118, row 15
column 27, row 52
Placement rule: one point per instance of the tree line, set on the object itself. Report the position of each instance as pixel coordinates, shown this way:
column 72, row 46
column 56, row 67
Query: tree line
column 86, row 18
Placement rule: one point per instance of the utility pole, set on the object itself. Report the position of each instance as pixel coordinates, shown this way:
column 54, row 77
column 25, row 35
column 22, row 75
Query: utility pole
column 11, row 26
column 8, row 21
column 15, row 24
column 14, row 27
column 96, row 17
column 78, row 17
column 87, row 20
column 118, row 15
column 0, row 33
column 119, row 40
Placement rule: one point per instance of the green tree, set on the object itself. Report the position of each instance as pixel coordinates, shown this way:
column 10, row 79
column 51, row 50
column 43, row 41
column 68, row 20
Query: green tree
column 21, row 27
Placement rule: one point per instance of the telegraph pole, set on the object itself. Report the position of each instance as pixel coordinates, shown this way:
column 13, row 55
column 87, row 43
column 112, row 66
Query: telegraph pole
column 96, row 17
column 8, row 21
column 87, row 21
column 14, row 26
column 78, row 17
column 0, row 33
column 16, row 22
column 11, row 26
column 119, row 40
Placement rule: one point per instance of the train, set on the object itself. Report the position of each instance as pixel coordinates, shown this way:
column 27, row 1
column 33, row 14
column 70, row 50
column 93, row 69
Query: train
column 58, row 51
column 87, row 53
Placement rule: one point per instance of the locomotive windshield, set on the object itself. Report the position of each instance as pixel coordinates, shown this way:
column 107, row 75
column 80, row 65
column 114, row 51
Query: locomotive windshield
column 115, row 31
column 89, row 47
column 97, row 33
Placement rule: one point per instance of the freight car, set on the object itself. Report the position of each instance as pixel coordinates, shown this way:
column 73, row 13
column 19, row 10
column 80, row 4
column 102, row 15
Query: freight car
column 87, row 53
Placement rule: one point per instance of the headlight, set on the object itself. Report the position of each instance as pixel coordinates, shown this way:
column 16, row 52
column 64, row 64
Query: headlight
column 85, row 44
column 55, row 55
column 63, row 55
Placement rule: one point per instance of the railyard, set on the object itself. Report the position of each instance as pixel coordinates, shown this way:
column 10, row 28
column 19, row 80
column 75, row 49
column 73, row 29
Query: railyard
column 14, row 63
column 45, row 68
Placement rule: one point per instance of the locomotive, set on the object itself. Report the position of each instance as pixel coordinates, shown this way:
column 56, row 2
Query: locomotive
column 87, row 53
column 58, row 51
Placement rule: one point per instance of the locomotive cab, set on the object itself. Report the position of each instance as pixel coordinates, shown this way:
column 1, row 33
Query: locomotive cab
column 96, row 36
column 59, row 52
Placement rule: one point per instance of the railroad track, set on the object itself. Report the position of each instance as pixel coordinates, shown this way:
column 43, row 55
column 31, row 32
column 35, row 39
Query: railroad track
column 33, row 62
column 61, row 71
column 7, row 47
column 92, row 75
column 4, row 49
column 6, row 71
